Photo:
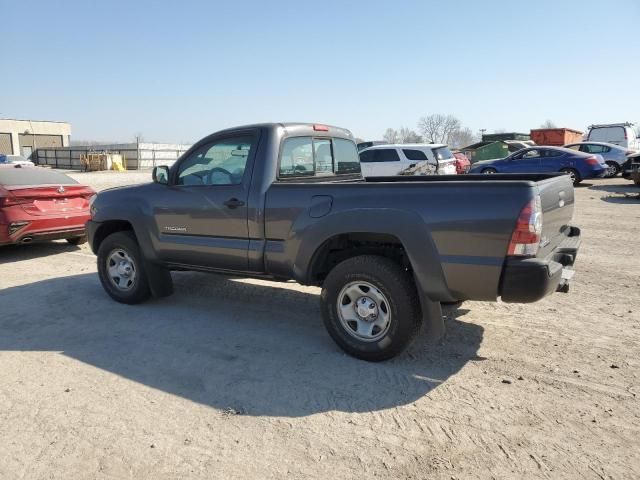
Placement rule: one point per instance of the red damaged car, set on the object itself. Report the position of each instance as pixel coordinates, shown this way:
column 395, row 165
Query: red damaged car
column 38, row 204
column 462, row 163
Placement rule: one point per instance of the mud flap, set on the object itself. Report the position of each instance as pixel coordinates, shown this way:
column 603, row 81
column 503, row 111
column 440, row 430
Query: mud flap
column 160, row 281
column 432, row 318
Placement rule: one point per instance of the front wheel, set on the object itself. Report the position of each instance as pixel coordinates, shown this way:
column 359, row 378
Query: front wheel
column 121, row 269
column 370, row 307
column 575, row 176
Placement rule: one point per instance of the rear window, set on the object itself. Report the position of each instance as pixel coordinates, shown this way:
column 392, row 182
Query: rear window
column 607, row 134
column 442, row 153
column 315, row 157
column 414, row 154
column 33, row 176
column 380, row 155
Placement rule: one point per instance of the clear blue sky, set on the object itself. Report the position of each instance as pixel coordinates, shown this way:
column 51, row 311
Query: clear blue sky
column 176, row 71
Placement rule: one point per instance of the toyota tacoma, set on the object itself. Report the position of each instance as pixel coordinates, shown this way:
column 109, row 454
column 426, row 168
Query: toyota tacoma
column 287, row 201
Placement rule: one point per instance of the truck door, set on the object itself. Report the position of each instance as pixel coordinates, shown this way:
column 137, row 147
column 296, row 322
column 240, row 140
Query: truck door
column 202, row 218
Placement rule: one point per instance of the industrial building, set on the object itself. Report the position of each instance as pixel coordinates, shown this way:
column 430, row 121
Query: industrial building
column 23, row 137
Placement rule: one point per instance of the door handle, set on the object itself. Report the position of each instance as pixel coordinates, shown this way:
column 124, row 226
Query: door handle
column 234, row 203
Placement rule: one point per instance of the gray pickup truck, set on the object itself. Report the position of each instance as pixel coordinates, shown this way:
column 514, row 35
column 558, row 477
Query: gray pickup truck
column 287, row 201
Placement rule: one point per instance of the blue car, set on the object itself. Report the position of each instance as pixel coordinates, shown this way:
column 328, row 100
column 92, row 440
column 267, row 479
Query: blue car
column 545, row 160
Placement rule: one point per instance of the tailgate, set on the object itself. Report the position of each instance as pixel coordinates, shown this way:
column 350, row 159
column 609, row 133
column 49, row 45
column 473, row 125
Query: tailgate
column 557, row 199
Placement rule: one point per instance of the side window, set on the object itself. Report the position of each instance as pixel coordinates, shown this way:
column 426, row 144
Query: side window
column 219, row 163
column 366, row 157
column 385, row 155
column 418, row 155
column 552, row 153
column 531, row 154
column 596, row 148
column 345, row 155
column 575, row 147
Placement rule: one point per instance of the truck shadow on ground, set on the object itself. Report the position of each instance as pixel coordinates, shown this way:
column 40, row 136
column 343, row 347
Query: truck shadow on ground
column 259, row 349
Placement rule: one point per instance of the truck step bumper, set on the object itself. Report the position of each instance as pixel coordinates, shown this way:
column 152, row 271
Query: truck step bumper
column 526, row 280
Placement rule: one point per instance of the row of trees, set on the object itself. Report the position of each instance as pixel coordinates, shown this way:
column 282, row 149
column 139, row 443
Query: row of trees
column 434, row 128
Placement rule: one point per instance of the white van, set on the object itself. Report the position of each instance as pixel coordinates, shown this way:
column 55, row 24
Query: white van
column 411, row 158
column 623, row 134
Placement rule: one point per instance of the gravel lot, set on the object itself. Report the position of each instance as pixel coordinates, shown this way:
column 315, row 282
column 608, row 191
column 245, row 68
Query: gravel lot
column 237, row 379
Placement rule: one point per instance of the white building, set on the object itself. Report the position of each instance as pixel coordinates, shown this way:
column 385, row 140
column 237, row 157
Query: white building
column 23, row 137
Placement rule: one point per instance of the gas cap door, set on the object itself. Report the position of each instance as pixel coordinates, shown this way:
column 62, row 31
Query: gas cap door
column 320, row 205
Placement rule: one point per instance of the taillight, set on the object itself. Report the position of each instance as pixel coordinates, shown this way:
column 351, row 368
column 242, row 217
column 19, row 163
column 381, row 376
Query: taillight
column 320, row 128
column 10, row 201
column 592, row 161
column 525, row 238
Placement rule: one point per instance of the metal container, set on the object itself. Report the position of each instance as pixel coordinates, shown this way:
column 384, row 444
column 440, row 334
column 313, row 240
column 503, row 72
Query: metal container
column 555, row 136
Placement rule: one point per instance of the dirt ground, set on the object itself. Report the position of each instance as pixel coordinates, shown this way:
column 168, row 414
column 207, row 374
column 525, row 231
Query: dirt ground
column 237, row 379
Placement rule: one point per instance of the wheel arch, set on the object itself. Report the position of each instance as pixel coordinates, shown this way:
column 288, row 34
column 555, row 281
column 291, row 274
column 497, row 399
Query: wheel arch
column 107, row 228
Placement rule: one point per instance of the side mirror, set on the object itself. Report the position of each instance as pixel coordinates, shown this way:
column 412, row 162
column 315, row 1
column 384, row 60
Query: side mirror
column 161, row 175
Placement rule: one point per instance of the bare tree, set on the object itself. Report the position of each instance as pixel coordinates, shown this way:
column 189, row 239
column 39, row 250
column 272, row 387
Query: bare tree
column 548, row 124
column 437, row 128
column 406, row 135
column 462, row 138
column 390, row 135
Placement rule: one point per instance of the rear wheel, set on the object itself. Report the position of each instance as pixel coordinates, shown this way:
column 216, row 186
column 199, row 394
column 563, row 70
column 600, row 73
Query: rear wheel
column 489, row 171
column 614, row 169
column 370, row 307
column 121, row 269
column 575, row 176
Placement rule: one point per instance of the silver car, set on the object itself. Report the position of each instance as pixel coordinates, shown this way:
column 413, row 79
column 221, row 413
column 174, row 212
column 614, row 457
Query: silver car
column 614, row 155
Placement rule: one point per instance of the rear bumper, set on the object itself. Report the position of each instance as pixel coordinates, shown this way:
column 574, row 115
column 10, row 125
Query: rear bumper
column 526, row 280
column 39, row 229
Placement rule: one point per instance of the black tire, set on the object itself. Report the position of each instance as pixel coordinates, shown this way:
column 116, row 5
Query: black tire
column 574, row 174
column 489, row 171
column 616, row 168
column 139, row 290
column 77, row 240
column 394, row 283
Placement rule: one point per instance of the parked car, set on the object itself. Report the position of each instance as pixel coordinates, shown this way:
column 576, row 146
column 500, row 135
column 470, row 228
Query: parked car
column 546, row 159
column 623, row 134
column 287, row 201
column 631, row 168
column 15, row 160
column 38, row 204
column 409, row 158
column 462, row 163
column 614, row 155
